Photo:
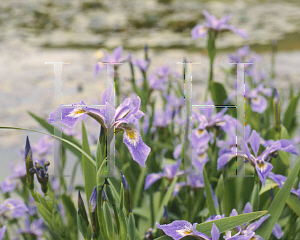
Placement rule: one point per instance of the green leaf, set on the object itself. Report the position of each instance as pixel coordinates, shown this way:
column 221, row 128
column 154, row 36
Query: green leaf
column 268, row 185
column 228, row 223
column 131, row 227
column 88, row 168
column 57, row 222
column 62, row 139
column 45, row 213
column 290, row 113
column 278, row 203
column 209, row 197
column 293, row 202
column 89, row 232
column 71, row 214
column 219, row 94
column 82, row 225
column 255, row 197
column 139, row 188
column 108, row 220
column 165, row 201
column 123, row 226
column 284, row 156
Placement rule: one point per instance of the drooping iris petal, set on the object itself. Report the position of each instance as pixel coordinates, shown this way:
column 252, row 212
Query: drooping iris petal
column 179, row 229
column 70, row 115
column 263, row 168
column 255, row 225
column 224, row 159
column 152, row 178
column 287, row 146
column 138, row 149
column 279, row 179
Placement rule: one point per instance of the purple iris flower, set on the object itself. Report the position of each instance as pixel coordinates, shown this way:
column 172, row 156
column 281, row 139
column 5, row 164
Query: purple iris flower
column 280, row 180
column 162, row 118
column 13, row 207
column 200, row 157
column 258, row 102
column 2, row 232
column 169, row 171
column 261, row 163
column 181, row 228
column 34, row 229
column 244, row 54
column 114, row 58
column 8, row 185
column 249, row 231
column 141, row 63
column 128, row 112
column 213, row 23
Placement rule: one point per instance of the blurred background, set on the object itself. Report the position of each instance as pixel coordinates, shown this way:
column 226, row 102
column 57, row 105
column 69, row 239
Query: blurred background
column 35, row 32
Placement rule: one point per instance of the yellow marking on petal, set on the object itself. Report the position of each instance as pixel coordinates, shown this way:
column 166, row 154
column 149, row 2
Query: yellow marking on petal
column 76, row 112
column 132, row 136
column 130, row 133
column 261, row 165
column 200, row 131
column 79, row 111
column 9, row 205
column 188, row 232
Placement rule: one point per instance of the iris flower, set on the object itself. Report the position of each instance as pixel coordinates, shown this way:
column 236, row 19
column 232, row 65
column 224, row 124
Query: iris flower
column 216, row 25
column 128, row 112
column 245, row 232
column 280, row 179
column 181, row 228
column 34, row 229
column 261, row 163
column 13, row 207
column 169, row 171
column 115, row 57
